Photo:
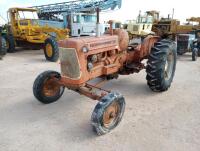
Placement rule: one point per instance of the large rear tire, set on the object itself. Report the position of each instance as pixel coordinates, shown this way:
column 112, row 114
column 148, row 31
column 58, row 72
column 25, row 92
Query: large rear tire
column 194, row 54
column 3, row 49
column 161, row 65
column 10, row 43
column 46, row 87
column 51, row 50
column 198, row 52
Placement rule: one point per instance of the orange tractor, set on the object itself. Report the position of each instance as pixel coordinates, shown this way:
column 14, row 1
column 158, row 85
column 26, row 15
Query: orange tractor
column 106, row 57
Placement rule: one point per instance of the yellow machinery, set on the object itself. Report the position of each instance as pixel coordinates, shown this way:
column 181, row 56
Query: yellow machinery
column 24, row 30
column 168, row 26
column 143, row 25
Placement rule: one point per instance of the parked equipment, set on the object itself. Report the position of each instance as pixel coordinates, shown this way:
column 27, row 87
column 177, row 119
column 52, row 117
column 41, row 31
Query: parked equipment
column 77, row 15
column 189, row 43
column 107, row 57
column 143, row 24
column 24, row 30
column 2, row 45
column 186, row 35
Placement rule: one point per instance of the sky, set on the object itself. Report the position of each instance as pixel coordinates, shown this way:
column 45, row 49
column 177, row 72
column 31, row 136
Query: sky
column 129, row 10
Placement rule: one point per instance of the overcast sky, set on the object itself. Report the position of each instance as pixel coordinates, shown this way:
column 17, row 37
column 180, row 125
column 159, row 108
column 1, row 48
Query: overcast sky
column 130, row 8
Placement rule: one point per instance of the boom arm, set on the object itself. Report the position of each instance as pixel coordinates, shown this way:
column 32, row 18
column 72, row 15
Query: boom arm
column 49, row 10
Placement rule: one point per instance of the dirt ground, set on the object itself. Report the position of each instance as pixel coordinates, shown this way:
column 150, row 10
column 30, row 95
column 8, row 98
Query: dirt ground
column 167, row 121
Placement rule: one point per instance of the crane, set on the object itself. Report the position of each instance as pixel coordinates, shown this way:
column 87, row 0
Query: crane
column 49, row 11
column 77, row 15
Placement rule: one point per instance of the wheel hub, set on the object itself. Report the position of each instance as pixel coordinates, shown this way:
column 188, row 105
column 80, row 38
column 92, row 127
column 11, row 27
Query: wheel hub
column 50, row 88
column 49, row 50
column 169, row 65
column 7, row 44
column 110, row 115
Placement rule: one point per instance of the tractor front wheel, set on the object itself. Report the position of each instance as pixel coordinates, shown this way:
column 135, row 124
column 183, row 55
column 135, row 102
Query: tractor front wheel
column 108, row 113
column 51, row 50
column 10, row 43
column 46, row 87
column 161, row 65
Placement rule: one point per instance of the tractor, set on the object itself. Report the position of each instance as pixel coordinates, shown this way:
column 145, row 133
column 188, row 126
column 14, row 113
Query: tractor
column 2, row 45
column 104, row 58
column 143, row 25
column 24, row 30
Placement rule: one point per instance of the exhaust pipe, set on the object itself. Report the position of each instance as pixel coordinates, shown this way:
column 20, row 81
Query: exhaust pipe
column 98, row 23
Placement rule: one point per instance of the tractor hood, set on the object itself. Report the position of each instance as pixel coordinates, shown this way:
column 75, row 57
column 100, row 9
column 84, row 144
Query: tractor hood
column 90, row 43
column 74, row 54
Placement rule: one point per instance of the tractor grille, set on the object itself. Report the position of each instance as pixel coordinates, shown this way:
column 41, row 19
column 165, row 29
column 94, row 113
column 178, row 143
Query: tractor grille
column 70, row 66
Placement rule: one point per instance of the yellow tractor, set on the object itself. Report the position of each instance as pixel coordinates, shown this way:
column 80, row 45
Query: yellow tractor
column 24, row 30
column 143, row 25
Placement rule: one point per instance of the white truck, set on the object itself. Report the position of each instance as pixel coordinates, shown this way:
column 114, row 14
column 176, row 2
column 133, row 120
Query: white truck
column 79, row 24
column 83, row 24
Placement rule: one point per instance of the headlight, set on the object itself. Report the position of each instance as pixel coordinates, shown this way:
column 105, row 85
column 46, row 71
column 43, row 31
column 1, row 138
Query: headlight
column 85, row 49
column 90, row 66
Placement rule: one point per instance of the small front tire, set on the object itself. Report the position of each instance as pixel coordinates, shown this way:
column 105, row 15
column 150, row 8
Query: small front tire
column 46, row 87
column 108, row 113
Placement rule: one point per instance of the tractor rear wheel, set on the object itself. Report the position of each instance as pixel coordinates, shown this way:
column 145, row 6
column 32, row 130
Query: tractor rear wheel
column 46, row 87
column 10, row 43
column 161, row 65
column 198, row 52
column 194, row 54
column 51, row 50
column 3, row 49
column 108, row 113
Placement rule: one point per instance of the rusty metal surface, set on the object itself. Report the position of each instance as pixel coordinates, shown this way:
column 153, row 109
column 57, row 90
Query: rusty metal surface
column 110, row 114
column 123, row 38
column 111, row 53
column 51, row 87
column 69, row 63
column 107, row 55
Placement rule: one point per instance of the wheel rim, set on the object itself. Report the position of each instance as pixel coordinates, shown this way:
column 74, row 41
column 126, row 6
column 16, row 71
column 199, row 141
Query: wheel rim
column 51, row 88
column 111, row 114
column 7, row 45
column 49, row 50
column 169, row 65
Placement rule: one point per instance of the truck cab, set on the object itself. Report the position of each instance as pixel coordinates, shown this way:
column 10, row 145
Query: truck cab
column 143, row 24
column 83, row 24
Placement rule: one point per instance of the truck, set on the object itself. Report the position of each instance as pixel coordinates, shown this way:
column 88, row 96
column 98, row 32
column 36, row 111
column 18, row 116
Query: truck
column 78, row 16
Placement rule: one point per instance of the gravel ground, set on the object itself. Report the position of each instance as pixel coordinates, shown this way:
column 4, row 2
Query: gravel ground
column 167, row 121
